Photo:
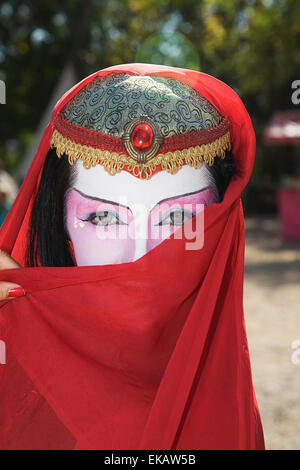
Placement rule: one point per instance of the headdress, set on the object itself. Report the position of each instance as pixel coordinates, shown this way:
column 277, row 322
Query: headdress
column 142, row 124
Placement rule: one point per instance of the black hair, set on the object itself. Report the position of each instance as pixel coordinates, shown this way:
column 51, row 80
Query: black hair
column 47, row 243
column 48, row 240
column 222, row 170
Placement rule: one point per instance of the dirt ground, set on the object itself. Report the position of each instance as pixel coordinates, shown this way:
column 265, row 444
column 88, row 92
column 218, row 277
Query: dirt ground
column 272, row 315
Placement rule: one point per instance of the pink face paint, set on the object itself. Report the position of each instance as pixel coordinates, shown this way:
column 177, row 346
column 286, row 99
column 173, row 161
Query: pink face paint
column 98, row 230
column 120, row 222
column 162, row 217
column 102, row 232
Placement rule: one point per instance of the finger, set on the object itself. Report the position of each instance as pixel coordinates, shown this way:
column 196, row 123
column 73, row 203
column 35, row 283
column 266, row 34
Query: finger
column 9, row 290
column 7, row 262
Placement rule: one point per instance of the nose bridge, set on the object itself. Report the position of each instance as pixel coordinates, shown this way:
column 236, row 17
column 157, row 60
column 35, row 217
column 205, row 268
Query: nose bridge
column 141, row 215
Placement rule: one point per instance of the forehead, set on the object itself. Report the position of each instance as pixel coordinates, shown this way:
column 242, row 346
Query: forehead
column 124, row 188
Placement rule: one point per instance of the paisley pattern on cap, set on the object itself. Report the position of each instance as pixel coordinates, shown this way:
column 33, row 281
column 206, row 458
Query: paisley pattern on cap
column 108, row 104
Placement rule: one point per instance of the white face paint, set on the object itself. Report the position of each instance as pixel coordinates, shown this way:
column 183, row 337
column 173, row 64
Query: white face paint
column 117, row 219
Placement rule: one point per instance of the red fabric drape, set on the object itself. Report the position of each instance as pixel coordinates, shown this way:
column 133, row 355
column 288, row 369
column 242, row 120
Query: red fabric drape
column 144, row 355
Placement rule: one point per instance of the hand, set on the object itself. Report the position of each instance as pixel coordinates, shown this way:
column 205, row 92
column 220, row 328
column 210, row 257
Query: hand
column 9, row 290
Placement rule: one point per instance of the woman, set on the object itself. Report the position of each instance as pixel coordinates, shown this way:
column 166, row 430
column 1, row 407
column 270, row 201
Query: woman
column 136, row 336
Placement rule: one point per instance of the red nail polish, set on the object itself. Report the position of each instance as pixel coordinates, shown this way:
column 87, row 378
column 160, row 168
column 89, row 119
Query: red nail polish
column 16, row 292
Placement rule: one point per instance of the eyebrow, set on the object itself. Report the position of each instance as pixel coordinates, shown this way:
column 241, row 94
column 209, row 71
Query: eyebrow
column 180, row 195
column 126, row 207
column 100, row 199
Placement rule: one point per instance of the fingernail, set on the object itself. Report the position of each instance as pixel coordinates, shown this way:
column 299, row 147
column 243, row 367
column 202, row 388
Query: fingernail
column 16, row 292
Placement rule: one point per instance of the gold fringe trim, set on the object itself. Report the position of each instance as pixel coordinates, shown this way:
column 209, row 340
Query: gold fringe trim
column 114, row 163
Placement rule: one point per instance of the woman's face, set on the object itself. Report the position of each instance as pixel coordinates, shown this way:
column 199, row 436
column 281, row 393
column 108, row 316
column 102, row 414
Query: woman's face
column 117, row 219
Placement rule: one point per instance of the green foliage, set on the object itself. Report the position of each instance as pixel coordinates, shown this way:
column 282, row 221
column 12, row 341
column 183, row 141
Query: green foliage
column 253, row 45
column 168, row 49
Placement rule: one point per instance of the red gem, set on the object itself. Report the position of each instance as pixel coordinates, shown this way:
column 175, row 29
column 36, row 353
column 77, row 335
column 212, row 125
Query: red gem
column 142, row 137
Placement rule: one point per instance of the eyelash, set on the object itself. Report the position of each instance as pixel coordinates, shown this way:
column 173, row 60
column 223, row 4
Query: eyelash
column 92, row 215
column 173, row 211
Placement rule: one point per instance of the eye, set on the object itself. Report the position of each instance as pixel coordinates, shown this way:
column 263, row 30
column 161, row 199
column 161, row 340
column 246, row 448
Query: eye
column 104, row 218
column 177, row 217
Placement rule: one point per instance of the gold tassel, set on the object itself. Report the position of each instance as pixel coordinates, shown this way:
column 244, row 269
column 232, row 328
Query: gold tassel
column 114, row 163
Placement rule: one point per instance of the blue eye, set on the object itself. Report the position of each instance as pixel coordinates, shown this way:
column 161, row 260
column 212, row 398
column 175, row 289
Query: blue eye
column 104, row 218
column 177, row 217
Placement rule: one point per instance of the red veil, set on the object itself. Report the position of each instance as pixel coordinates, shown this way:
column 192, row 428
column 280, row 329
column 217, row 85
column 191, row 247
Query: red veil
column 144, row 355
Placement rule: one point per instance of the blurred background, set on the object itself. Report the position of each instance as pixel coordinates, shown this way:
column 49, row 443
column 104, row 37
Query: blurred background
column 253, row 46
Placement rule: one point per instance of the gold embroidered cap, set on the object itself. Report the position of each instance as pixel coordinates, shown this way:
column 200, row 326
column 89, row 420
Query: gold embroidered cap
column 141, row 124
